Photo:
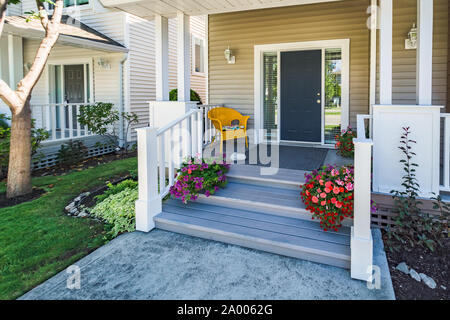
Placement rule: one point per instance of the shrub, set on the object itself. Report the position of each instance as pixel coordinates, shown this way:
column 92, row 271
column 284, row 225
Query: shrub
column 102, row 118
column 199, row 176
column 173, row 96
column 115, row 189
column 72, row 152
column 37, row 137
column 344, row 143
column 118, row 210
column 328, row 195
column 412, row 226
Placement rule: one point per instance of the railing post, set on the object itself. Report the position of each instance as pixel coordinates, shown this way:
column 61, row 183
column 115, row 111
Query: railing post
column 149, row 203
column 361, row 236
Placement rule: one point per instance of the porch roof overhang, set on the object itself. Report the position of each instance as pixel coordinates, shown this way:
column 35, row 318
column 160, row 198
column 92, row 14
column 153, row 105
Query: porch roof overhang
column 148, row 9
column 74, row 34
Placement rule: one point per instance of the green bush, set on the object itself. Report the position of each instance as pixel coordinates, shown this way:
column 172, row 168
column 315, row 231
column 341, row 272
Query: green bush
column 37, row 137
column 173, row 96
column 115, row 189
column 72, row 152
column 118, row 210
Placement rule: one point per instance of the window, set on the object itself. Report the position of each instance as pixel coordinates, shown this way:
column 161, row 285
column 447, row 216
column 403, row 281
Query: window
column 198, row 60
column 333, row 84
column 70, row 3
column 270, row 66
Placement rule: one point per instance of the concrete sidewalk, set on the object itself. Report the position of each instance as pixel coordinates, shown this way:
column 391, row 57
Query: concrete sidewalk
column 165, row 265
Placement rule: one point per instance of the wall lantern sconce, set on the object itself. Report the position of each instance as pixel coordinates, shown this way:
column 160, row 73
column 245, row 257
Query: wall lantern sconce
column 411, row 41
column 104, row 64
column 231, row 59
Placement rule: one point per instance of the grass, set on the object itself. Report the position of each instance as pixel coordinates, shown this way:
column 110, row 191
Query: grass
column 37, row 240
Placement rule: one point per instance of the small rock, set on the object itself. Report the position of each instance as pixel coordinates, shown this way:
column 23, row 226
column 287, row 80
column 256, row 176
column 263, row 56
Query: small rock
column 70, row 207
column 428, row 281
column 403, row 268
column 83, row 214
column 413, row 273
column 443, row 287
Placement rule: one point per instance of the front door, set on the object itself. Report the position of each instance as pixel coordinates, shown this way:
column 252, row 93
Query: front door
column 74, row 83
column 301, row 107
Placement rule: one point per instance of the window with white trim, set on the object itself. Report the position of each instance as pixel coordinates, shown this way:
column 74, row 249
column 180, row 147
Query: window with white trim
column 198, row 55
column 70, row 3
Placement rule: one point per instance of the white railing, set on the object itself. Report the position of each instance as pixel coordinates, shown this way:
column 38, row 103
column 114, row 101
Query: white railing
column 60, row 120
column 209, row 129
column 361, row 237
column 161, row 149
column 445, row 186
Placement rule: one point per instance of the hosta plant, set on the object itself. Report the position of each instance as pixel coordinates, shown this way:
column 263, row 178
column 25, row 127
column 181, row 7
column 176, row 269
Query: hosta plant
column 344, row 143
column 198, row 176
column 328, row 195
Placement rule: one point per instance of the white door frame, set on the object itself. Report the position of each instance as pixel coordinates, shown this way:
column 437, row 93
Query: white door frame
column 259, row 50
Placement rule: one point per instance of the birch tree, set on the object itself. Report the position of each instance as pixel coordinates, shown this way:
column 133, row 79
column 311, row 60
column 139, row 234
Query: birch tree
column 18, row 99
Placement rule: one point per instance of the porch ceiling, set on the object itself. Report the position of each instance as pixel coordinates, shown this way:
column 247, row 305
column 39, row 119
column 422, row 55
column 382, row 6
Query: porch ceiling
column 149, row 8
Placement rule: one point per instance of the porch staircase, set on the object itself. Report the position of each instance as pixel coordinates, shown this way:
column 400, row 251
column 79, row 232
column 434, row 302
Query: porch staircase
column 259, row 212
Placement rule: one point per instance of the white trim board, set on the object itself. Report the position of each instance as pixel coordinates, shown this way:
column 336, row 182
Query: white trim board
column 259, row 50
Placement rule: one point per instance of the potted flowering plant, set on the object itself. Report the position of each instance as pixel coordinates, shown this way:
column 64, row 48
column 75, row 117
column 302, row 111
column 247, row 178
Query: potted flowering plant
column 328, row 195
column 199, row 176
column 344, row 143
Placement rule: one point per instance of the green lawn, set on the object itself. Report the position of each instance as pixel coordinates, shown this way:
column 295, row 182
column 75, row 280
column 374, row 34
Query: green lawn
column 37, row 240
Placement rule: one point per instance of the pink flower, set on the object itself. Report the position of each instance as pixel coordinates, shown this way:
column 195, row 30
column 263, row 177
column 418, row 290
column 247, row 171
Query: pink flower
column 315, row 199
column 336, row 190
column 333, row 200
column 323, row 195
column 321, row 182
column 338, row 205
column 319, row 190
column 323, row 203
column 328, row 184
column 327, row 190
column 349, row 186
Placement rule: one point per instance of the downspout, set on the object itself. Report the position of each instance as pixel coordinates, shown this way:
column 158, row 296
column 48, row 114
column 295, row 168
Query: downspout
column 122, row 141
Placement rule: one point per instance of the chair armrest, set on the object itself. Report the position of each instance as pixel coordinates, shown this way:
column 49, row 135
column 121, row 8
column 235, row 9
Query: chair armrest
column 217, row 123
column 244, row 121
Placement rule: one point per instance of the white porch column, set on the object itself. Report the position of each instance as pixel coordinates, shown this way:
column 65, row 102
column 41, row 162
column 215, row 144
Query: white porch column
column 184, row 57
column 424, row 52
column 361, row 242
column 149, row 203
column 162, row 58
column 386, row 52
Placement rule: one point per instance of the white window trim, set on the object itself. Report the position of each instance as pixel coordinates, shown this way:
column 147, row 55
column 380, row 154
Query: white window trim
column 193, row 56
column 259, row 50
column 70, row 10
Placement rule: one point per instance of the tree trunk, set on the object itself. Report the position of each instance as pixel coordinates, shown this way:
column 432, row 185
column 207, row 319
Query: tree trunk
column 19, row 171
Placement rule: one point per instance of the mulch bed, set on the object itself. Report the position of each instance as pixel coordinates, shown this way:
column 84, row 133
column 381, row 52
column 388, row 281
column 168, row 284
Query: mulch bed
column 5, row 202
column 85, row 164
column 434, row 264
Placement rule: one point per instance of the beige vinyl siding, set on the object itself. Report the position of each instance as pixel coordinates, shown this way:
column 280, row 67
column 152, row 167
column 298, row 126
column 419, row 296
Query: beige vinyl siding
column 232, row 85
column 404, row 61
column 448, row 62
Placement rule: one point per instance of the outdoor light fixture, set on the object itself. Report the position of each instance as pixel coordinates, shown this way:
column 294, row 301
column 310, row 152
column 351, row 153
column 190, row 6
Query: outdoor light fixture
column 231, row 59
column 411, row 41
column 104, row 64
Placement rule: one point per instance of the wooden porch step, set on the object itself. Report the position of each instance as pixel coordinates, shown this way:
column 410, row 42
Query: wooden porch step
column 252, row 229
column 281, row 178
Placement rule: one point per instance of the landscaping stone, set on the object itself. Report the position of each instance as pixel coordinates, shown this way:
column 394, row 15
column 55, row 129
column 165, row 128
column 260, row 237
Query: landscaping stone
column 413, row 273
column 428, row 281
column 402, row 267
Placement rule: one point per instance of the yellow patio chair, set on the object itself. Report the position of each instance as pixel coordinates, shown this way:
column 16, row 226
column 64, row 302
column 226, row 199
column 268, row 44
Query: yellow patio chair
column 222, row 118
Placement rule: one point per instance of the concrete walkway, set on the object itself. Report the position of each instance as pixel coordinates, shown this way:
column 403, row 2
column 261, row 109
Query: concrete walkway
column 165, row 265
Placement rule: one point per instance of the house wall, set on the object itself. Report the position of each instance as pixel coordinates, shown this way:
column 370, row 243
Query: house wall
column 14, row 9
column 106, row 82
column 232, row 85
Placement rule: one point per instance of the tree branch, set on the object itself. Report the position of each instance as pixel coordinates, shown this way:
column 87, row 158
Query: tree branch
column 3, row 4
column 51, row 28
column 9, row 96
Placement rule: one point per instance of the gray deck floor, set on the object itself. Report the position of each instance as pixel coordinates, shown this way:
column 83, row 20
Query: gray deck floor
column 166, row 265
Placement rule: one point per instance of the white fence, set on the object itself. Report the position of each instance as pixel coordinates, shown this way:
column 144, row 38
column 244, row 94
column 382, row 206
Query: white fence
column 60, row 121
